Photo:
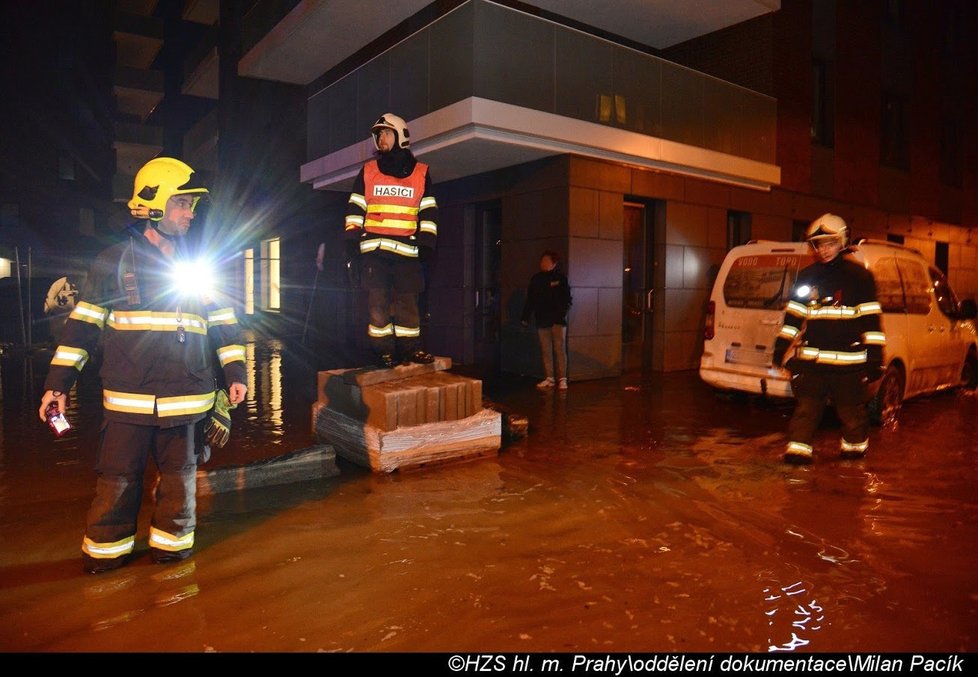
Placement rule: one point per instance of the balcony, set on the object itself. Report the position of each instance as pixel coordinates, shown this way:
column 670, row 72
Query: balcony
column 137, row 90
column 486, row 86
column 202, row 69
column 138, row 39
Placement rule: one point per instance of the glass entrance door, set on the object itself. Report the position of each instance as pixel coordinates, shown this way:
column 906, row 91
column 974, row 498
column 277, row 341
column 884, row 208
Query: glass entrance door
column 637, row 293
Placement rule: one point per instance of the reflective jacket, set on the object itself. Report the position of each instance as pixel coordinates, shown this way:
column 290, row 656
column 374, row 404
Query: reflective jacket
column 158, row 367
column 392, row 214
column 833, row 317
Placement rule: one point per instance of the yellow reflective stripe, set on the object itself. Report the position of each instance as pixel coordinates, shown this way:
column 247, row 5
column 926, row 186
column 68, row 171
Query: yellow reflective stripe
column 428, row 202
column 129, row 403
column 845, row 312
column 833, row 313
column 788, row 331
column 188, row 404
column 406, row 332
column 428, row 227
column 831, row 356
column 66, row 356
column 796, row 308
column 394, row 224
column 874, row 338
column 222, row 316
column 148, row 320
column 108, row 550
column 855, row 446
column 354, row 221
column 391, row 209
column 799, row 448
column 88, row 312
column 359, row 200
column 379, row 332
column 388, row 245
column 161, row 540
column 230, row 353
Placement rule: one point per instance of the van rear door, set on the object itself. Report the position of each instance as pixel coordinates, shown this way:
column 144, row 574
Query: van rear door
column 751, row 291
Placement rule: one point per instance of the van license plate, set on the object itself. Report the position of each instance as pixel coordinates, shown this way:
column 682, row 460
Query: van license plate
column 753, row 358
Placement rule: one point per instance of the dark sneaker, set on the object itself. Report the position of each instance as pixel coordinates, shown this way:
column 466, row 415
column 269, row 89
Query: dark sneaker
column 386, row 361
column 100, row 566
column 165, row 556
column 420, row 357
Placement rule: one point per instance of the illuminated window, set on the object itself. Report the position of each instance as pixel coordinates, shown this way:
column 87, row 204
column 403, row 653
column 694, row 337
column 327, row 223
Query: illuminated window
column 270, row 296
column 249, row 282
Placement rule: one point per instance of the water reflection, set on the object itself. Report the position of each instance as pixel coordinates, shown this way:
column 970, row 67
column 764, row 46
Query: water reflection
column 791, row 610
column 646, row 517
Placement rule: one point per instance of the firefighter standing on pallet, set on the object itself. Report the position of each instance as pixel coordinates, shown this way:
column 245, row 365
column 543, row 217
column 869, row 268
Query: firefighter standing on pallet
column 158, row 376
column 391, row 227
column 833, row 341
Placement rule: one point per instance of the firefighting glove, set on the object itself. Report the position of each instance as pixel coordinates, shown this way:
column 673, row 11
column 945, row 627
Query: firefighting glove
column 217, row 432
column 780, row 348
column 353, row 263
column 874, row 363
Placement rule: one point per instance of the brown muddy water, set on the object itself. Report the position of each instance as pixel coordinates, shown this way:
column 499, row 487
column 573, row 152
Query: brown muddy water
column 639, row 515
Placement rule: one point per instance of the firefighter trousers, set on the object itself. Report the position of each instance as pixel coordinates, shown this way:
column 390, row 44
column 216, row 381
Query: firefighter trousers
column 393, row 289
column 850, row 395
column 123, row 452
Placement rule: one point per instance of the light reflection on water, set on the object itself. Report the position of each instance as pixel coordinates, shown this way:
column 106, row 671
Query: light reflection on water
column 634, row 517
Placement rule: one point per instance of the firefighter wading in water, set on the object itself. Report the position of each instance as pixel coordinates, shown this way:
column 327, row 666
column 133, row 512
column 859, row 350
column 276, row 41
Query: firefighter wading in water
column 161, row 395
column 391, row 226
column 833, row 341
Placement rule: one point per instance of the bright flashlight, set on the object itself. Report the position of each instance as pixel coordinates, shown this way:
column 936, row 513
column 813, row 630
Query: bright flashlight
column 804, row 291
column 193, row 278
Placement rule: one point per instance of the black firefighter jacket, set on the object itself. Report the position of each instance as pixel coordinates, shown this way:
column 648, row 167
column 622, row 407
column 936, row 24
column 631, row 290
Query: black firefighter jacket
column 158, row 365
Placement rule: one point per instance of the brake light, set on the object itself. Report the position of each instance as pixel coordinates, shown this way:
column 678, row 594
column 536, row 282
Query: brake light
column 711, row 309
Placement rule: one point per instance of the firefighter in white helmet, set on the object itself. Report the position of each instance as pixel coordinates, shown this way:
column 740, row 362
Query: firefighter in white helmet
column 161, row 393
column 391, row 230
column 832, row 342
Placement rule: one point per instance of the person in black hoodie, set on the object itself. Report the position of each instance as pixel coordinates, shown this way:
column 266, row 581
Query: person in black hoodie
column 390, row 229
column 548, row 298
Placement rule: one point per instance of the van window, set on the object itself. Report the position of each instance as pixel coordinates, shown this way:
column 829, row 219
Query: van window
column 762, row 281
column 946, row 300
column 889, row 288
column 916, row 286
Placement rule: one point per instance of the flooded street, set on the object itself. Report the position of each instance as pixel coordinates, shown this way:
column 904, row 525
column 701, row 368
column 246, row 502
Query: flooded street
column 637, row 516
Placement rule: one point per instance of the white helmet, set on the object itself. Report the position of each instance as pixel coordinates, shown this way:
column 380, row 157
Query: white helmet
column 402, row 138
column 828, row 226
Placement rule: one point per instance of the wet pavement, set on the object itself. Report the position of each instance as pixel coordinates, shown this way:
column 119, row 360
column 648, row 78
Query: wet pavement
column 638, row 515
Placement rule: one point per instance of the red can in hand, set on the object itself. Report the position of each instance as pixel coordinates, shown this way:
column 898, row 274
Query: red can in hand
column 57, row 420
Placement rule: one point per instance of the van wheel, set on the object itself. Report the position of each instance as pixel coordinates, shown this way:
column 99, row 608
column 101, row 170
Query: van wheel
column 969, row 372
column 884, row 408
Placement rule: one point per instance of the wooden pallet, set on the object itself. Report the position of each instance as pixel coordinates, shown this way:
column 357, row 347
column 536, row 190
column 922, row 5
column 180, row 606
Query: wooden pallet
column 406, row 417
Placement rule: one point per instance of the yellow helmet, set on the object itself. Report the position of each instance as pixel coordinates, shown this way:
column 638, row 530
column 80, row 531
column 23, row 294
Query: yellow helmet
column 828, row 226
column 402, row 138
column 156, row 182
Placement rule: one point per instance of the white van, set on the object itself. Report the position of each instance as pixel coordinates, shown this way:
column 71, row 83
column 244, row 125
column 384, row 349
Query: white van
column 931, row 342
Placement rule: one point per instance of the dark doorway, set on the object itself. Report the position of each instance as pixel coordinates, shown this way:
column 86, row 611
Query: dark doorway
column 637, row 292
column 488, row 310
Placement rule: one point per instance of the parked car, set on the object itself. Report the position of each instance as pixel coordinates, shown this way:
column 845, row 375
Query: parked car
column 931, row 343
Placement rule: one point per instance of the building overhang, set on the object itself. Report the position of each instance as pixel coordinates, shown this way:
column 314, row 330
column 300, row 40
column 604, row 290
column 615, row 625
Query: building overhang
column 316, row 35
column 478, row 135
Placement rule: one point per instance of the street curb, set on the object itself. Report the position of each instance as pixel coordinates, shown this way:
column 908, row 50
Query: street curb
column 311, row 463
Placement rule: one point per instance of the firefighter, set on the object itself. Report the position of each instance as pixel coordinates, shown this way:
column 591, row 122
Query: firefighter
column 161, row 395
column 833, row 342
column 391, row 230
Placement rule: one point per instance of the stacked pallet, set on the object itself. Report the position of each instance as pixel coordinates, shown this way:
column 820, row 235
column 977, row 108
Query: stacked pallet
column 408, row 416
